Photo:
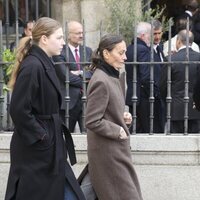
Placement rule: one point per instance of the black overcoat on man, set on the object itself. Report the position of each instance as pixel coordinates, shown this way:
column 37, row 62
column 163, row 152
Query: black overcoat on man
column 196, row 92
column 178, row 85
column 143, row 87
column 38, row 156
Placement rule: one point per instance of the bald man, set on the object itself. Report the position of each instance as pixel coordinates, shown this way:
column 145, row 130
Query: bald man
column 178, row 85
column 76, row 54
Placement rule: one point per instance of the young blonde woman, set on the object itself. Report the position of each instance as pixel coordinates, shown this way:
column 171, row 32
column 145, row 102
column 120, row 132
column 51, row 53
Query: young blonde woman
column 39, row 170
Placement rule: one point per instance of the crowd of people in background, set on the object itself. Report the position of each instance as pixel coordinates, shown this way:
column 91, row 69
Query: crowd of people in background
column 74, row 52
column 186, row 29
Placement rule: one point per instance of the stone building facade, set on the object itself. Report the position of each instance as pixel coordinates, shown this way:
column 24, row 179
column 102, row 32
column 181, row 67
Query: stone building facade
column 92, row 12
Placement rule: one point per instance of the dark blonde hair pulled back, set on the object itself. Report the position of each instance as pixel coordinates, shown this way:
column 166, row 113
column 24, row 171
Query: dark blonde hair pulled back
column 43, row 26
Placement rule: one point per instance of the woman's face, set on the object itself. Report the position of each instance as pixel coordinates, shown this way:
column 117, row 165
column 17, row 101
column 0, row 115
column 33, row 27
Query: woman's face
column 54, row 43
column 117, row 56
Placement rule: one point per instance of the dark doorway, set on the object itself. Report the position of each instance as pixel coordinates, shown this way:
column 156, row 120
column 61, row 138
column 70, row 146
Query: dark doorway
column 173, row 8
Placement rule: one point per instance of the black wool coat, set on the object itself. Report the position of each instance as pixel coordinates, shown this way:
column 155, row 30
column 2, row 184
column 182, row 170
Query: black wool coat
column 38, row 156
column 178, row 84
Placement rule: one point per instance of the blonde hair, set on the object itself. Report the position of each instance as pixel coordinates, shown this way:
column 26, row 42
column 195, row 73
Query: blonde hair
column 43, row 26
column 21, row 51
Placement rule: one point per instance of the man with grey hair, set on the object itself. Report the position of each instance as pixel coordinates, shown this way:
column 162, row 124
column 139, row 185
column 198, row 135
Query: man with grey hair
column 178, row 87
column 157, row 37
column 159, row 110
column 143, row 31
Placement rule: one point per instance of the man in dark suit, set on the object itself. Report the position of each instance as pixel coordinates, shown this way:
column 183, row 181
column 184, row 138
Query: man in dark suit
column 159, row 107
column 143, row 30
column 76, row 55
column 179, row 92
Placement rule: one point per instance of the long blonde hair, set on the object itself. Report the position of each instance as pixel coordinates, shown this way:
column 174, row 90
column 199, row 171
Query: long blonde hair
column 21, row 52
column 43, row 26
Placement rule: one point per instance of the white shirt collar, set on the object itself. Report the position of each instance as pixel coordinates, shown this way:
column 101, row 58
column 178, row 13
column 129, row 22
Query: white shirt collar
column 183, row 47
column 189, row 13
column 155, row 46
column 72, row 48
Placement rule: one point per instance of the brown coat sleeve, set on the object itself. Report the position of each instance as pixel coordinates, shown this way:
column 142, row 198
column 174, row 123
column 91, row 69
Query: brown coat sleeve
column 97, row 112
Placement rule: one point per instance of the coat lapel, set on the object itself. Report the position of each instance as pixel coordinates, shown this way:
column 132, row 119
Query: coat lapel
column 73, row 65
column 49, row 68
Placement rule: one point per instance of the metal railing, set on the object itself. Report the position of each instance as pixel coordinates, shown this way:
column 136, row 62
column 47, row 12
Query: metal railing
column 17, row 12
column 7, row 126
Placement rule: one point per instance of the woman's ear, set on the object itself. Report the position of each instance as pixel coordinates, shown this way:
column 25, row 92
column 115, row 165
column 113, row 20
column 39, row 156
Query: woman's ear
column 105, row 53
column 43, row 39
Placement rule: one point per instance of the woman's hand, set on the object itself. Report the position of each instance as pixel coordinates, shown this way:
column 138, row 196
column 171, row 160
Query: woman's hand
column 127, row 118
column 122, row 134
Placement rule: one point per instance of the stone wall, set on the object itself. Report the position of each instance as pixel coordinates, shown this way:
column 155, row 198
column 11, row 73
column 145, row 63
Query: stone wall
column 91, row 12
column 168, row 167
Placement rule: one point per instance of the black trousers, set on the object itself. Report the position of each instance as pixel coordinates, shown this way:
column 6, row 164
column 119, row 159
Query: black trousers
column 75, row 115
column 143, row 116
column 178, row 126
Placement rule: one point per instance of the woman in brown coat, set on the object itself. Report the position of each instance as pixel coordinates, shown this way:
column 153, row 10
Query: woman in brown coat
column 110, row 166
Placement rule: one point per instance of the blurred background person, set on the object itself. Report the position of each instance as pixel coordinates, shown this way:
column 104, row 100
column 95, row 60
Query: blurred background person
column 28, row 26
column 76, row 55
column 181, row 24
column 143, row 31
column 178, row 85
column 159, row 105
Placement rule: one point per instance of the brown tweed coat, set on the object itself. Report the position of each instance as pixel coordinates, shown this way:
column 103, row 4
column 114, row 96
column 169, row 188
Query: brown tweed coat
column 110, row 165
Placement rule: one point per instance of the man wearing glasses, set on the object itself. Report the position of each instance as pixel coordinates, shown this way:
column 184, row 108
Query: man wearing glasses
column 73, row 53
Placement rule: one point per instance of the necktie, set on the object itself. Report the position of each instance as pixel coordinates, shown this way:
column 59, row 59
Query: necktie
column 77, row 59
column 158, row 49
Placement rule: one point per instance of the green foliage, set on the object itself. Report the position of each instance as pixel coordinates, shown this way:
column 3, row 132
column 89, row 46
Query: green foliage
column 8, row 57
column 123, row 16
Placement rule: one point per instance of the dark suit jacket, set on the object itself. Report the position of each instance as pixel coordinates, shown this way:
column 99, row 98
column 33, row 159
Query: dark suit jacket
column 143, row 72
column 196, row 92
column 75, row 82
column 178, row 84
column 88, row 55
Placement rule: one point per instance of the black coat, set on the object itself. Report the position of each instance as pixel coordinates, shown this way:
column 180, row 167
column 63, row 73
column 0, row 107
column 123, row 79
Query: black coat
column 38, row 155
column 196, row 92
column 143, row 88
column 178, row 84
column 143, row 72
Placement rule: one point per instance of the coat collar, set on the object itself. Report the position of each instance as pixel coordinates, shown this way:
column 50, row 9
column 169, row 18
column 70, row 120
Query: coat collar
column 183, row 47
column 48, row 65
column 108, row 69
column 141, row 42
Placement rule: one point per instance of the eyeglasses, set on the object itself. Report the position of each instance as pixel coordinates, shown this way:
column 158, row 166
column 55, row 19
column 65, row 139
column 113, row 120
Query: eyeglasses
column 77, row 33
